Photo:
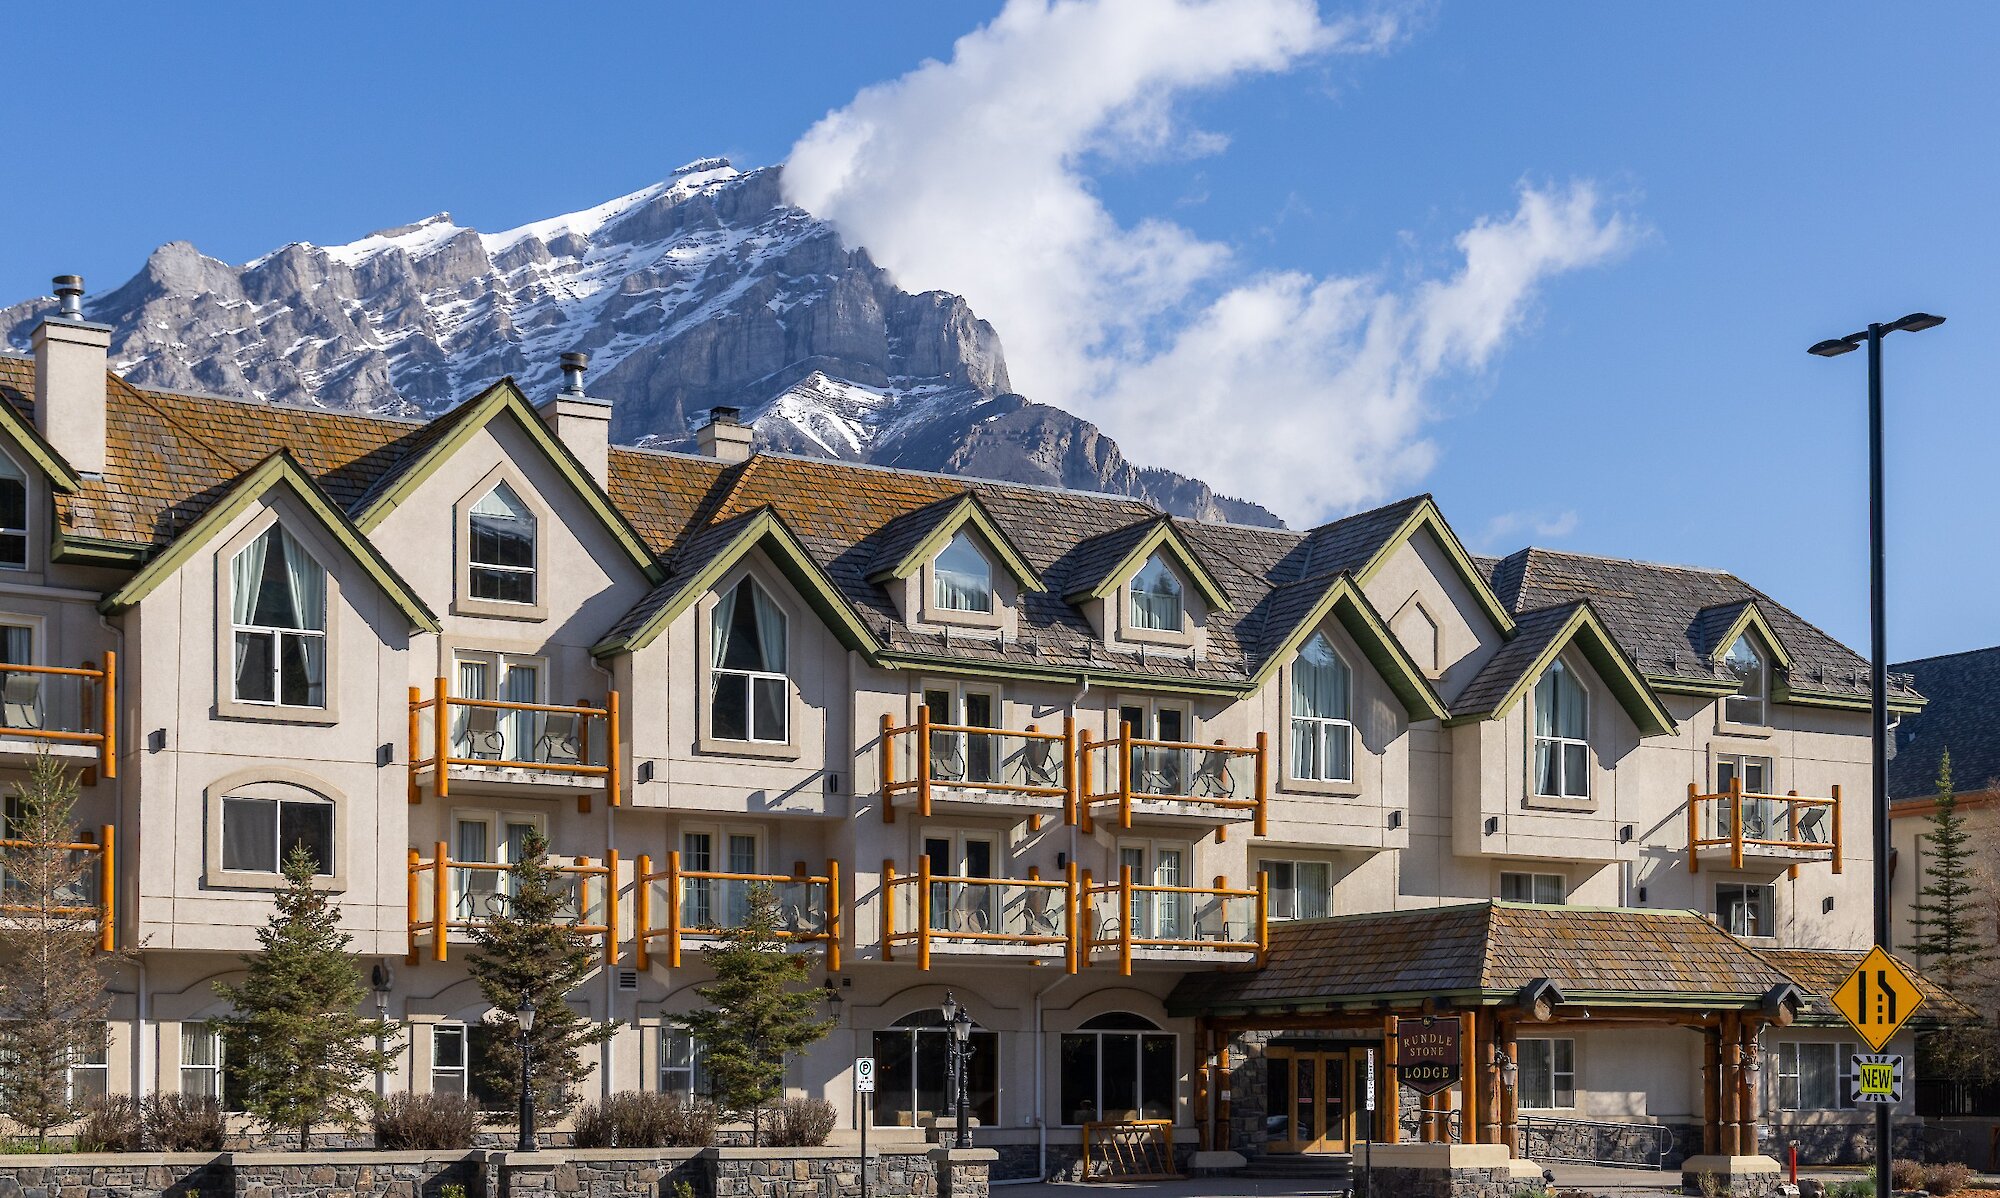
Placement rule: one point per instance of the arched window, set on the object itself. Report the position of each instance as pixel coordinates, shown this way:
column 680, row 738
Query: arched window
column 962, row 578
column 502, row 548
column 1118, row 1066
column 1562, row 734
column 1322, row 714
column 278, row 608
column 1156, row 596
column 751, row 696
column 910, row 1072
column 13, row 516
column 262, row 822
column 1745, row 661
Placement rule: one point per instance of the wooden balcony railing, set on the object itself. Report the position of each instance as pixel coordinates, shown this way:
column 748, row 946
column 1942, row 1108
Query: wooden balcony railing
column 1228, row 777
column 1125, row 916
column 1031, row 763
column 64, row 704
column 1741, row 819
column 101, row 884
column 703, row 904
column 545, row 738
column 449, row 896
column 923, row 907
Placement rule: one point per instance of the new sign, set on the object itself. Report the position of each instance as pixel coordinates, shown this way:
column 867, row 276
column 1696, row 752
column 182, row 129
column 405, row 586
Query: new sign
column 1427, row 1053
column 1877, row 1077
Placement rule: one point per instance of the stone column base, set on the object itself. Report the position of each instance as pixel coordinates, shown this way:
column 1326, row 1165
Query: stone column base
column 1738, row 1176
column 1442, row 1171
column 963, row 1172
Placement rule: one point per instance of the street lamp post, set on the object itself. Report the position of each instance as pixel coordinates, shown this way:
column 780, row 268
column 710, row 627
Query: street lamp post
column 1878, row 648
column 381, row 979
column 958, row 1047
column 525, row 1017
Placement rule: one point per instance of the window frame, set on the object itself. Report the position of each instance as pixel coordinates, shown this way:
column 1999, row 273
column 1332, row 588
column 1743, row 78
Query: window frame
column 1762, row 699
column 695, row 1070
column 277, row 831
column 982, row 1037
column 497, row 820
column 303, row 529
column 278, row 634
column 463, row 601
column 935, row 596
column 1324, row 727
column 216, row 877
column 218, row 1069
column 1139, row 1036
column 474, row 567
column 1286, row 894
column 1535, row 880
column 1527, row 1101
column 458, row 1031
column 1560, row 744
column 1791, row 1071
column 708, row 673
column 13, row 471
column 1133, row 621
column 1769, row 890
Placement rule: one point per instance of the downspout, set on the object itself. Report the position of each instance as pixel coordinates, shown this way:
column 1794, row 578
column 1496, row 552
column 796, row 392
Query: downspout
column 1041, row 1090
column 142, row 1003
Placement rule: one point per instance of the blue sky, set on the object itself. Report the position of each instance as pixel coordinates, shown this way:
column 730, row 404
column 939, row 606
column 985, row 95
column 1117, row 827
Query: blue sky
column 1784, row 173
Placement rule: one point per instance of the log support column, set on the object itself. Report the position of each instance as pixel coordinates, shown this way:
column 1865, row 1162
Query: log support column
column 1392, row 1085
column 1711, row 1091
column 1468, row 1076
column 1510, row 1101
column 1489, row 1081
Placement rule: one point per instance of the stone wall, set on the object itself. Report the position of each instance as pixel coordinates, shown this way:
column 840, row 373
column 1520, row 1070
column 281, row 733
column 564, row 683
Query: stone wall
column 105, row 1175
column 315, row 1175
column 1399, row 1182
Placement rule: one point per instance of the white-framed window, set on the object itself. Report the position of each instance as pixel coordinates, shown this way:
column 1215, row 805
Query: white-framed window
column 1162, row 915
column 683, row 1063
column 1547, row 1077
column 1298, row 889
column 1562, row 735
column 1747, row 662
column 450, row 1072
column 1747, row 908
column 1157, row 770
column 1118, row 1066
column 260, row 830
column 13, row 516
column 1156, row 596
column 1549, row 890
column 491, row 838
column 1322, row 713
column 24, row 697
column 710, row 903
column 964, row 906
column 962, row 577
column 751, row 697
column 501, row 555
column 1815, row 1075
column 491, row 733
column 89, row 1068
column 964, row 756
column 910, row 1071
column 1763, row 818
column 278, row 609
column 204, row 1071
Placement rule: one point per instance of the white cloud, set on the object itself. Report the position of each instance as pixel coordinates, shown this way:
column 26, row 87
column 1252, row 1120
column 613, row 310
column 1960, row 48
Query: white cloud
column 1543, row 526
column 1307, row 394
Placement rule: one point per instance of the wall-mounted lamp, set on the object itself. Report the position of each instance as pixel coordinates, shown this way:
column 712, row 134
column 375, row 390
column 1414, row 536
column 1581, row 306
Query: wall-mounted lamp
column 645, row 771
column 156, row 740
column 1625, row 834
column 1826, row 905
column 1492, row 824
column 1509, row 1071
column 1395, row 820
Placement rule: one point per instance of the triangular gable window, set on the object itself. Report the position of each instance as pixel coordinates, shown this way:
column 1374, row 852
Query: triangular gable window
column 962, row 577
column 1156, row 596
column 1747, row 661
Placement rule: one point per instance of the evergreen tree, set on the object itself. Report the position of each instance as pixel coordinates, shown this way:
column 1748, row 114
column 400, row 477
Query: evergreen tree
column 296, row 1042
column 1948, row 941
column 530, row 951
column 754, row 1018
column 54, row 992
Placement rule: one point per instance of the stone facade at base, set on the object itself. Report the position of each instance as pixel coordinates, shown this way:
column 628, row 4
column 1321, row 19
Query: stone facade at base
column 116, row 1175
column 1738, row 1176
column 390, row 1174
column 1446, row 1171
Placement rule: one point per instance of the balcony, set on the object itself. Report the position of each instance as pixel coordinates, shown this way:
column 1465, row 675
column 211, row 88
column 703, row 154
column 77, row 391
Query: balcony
column 89, row 896
column 68, row 710
column 1185, row 925
column 987, row 917
column 488, row 746
column 1169, row 782
column 449, row 898
column 705, row 905
column 954, row 767
column 1740, row 830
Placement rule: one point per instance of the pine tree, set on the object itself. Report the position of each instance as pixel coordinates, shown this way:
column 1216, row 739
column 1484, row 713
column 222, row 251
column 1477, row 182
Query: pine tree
column 754, row 1019
column 1948, row 940
column 530, row 951
column 54, row 992
column 296, row 1041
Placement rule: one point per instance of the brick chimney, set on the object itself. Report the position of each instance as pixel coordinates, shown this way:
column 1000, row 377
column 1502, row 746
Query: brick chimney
column 581, row 423
column 71, row 355
column 725, row 437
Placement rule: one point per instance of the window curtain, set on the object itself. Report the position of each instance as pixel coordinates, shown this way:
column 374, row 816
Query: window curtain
column 721, row 619
column 17, row 645
column 1573, row 710
column 521, row 686
column 1547, row 700
column 306, row 582
column 1319, row 682
column 1314, row 890
column 770, row 629
column 247, row 576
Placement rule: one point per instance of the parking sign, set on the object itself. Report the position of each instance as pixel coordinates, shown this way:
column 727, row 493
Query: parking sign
column 864, row 1075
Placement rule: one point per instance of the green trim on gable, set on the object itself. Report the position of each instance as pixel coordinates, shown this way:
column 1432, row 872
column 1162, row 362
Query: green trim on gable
column 1782, row 693
column 504, row 398
column 73, row 550
column 1752, row 618
column 767, row 530
column 968, row 510
column 28, row 439
column 1428, row 516
column 280, row 469
column 1359, row 617
column 1611, row 664
column 1163, row 536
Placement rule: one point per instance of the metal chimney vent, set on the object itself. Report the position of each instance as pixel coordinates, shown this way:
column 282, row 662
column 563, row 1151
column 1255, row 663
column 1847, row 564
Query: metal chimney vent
column 69, row 290
column 573, row 365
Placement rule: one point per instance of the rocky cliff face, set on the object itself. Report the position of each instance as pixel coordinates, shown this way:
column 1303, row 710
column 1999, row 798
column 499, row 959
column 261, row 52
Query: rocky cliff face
column 704, row 289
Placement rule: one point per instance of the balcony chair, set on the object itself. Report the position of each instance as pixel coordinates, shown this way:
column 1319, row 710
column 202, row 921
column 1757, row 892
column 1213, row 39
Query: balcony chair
column 1212, row 779
column 481, row 737
column 21, row 701
column 947, row 757
column 558, row 743
column 1157, row 771
column 1040, row 763
column 1039, row 917
column 971, row 909
column 1811, row 827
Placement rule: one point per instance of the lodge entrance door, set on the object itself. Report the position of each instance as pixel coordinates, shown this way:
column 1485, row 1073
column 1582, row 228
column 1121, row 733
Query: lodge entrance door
column 1312, row 1099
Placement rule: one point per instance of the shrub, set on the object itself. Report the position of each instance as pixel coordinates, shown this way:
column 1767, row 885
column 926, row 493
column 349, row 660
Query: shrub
column 691, row 1122
column 1946, row 1178
column 184, row 1123
column 110, row 1123
column 425, row 1122
column 801, row 1122
column 1906, row 1174
column 453, row 1190
column 1853, row 1187
column 631, row 1119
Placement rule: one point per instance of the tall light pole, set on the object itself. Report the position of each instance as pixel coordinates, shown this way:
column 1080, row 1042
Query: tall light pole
column 525, row 1017
column 958, row 1046
column 1878, row 650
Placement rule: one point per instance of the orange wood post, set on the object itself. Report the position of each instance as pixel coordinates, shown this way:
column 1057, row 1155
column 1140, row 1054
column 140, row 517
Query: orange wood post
column 440, row 745
column 1069, row 770
column 1746, row 1084
column 834, row 922
column 1468, row 1076
column 416, row 740
column 1836, row 827
column 107, row 749
column 1226, row 1086
column 673, row 908
column 888, row 910
column 642, row 909
column 1263, row 916
column 923, row 928
column 107, row 883
column 612, row 739
column 1694, row 828
column 1203, row 1121
column 1392, row 1098
column 1125, row 775
column 1087, row 934
column 1263, row 774
column 611, row 906
column 416, row 905
column 1083, row 788
column 1070, row 952
column 440, row 902
column 888, row 771
column 1792, row 831
column 1736, row 823
column 923, row 753
column 1125, row 921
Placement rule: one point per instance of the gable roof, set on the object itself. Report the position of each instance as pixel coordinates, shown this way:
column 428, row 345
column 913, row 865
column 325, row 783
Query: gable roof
column 1717, row 628
column 21, row 433
column 277, row 471
column 1103, row 563
column 1424, row 516
column 1820, row 971
column 1655, row 613
column 1963, row 716
column 910, row 540
column 1294, row 610
column 1539, row 637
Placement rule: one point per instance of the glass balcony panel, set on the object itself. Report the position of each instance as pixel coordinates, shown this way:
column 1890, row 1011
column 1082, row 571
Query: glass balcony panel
column 75, row 892
column 975, row 759
column 32, row 702
column 1196, row 916
column 998, row 907
column 713, row 905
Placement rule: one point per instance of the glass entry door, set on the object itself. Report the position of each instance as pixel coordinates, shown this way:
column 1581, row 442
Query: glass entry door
column 1312, row 1099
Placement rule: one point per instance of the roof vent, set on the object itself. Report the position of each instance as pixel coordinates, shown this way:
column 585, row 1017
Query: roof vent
column 573, row 364
column 69, row 290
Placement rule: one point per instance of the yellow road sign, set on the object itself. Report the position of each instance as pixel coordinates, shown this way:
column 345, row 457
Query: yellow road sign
column 1877, row 998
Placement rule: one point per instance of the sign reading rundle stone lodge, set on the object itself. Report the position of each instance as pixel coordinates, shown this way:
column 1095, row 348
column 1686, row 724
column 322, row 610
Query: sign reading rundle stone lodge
column 1427, row 1053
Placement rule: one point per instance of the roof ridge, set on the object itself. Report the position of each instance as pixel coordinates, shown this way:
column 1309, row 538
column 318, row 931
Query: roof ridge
column 147, row 398
column 1629, row 561
column 1897, row 665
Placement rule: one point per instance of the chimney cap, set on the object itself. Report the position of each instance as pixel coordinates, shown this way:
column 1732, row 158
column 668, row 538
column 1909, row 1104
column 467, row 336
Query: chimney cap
column 724, row 414
column 573, row 364
column 575, row 359
column 69, row 290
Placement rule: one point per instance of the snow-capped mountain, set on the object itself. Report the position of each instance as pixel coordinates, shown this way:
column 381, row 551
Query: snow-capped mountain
column 700, row 290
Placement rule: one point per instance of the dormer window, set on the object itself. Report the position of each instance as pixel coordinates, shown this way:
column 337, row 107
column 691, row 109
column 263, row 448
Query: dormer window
column 751, row 697
column 962, row 577
column 1322, row 714
column 1747, row 705
column 502, row 548
column 1562, row 735
column 1156, row 597
column 13, row 516
column 278, row 609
